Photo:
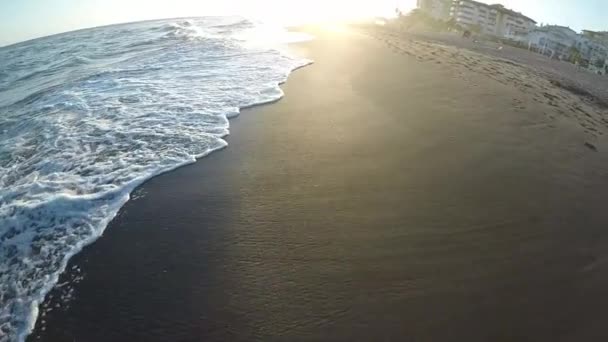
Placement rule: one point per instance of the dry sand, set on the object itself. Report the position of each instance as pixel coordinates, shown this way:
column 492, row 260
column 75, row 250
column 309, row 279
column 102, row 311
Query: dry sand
column 575, row 93
column 403, row 190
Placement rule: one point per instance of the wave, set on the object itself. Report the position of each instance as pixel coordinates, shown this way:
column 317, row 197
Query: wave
column 186, row 30
column 69, row 62
column 239, row 24
column 120, row 105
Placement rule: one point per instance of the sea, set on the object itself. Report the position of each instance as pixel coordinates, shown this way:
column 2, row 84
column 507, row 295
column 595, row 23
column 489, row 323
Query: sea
column 87, row 116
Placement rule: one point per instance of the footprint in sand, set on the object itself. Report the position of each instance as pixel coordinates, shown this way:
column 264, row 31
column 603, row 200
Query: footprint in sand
column 590, row 146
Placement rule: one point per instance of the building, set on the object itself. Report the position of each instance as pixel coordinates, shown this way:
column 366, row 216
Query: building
column 591, row 50
column 554, row 41
column 593, row 46
column 561, row 42
column 473, row 14
column 598, row 36
column 494, row 20
column 511, row 24
column 438, row 9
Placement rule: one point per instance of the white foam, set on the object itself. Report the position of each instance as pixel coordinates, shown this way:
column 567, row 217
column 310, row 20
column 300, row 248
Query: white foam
column 75, row 141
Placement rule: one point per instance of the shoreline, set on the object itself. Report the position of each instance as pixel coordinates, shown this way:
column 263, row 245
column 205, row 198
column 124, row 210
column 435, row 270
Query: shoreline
column 372, row 200
column 70, row 274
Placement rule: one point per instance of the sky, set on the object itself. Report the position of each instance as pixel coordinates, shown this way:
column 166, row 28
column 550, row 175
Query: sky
column 25, row 19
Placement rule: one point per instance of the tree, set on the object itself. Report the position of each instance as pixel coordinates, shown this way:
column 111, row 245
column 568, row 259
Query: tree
column 476, row 28
column 575, row 55
column 452, row 24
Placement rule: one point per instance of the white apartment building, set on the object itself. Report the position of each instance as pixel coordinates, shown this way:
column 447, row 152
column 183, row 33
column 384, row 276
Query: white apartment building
column 598, row 36
column 438, row 9
column 562, row 42
column 559, row 41
column 553, row 40
column 513, row 25
column 593, row 45
column 495, row 20
column 590, row 50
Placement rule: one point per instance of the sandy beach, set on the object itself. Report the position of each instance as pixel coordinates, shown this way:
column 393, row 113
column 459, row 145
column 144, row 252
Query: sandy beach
column 406, row 188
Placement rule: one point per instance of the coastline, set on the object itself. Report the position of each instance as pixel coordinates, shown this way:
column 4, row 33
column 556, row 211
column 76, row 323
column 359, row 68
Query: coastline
column 374, row 200
column 70, row 275
column 57, row 199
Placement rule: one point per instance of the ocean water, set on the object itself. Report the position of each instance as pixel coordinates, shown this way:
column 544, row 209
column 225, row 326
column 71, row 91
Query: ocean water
column 87, row 116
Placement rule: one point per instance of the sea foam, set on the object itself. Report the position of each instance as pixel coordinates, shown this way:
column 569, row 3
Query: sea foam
column 87, row 116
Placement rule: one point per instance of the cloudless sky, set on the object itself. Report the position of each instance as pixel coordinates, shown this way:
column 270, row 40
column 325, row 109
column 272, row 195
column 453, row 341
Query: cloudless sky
column 25, row 19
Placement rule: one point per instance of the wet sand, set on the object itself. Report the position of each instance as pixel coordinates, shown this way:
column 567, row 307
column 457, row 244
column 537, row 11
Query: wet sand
column 390, row 195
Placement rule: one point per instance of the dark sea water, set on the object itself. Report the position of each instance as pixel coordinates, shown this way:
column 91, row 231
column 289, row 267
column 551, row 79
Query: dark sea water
column 87, row 116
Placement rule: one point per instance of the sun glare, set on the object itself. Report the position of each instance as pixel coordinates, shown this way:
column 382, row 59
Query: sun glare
column 294, row 13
